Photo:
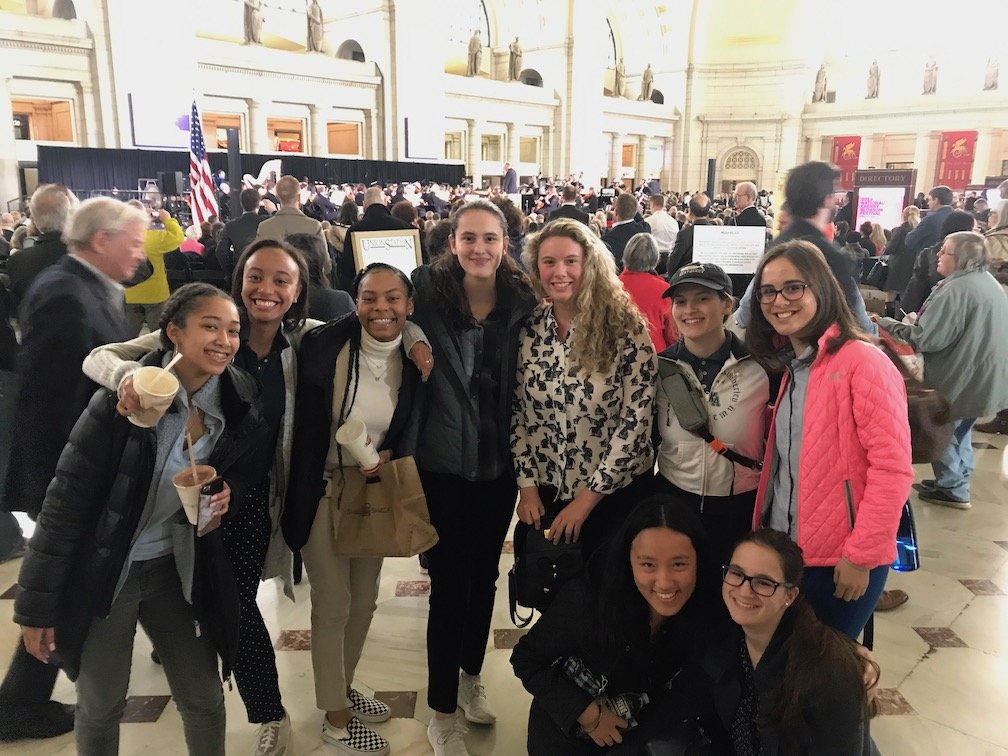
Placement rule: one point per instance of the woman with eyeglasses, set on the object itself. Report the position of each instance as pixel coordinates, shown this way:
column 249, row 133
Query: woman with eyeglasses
column 837, row 468
column 784, row 682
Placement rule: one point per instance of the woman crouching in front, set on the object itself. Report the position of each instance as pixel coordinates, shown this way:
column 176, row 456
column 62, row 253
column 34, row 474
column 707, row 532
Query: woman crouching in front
column 113, row 545
column 631, row 626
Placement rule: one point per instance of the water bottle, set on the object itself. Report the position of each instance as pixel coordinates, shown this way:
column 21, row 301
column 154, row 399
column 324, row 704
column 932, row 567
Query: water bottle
column 907, row 555
column 627, row 706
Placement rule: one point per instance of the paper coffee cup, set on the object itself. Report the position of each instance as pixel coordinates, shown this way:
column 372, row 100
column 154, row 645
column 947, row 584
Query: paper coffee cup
column 156, row 389
column 353, row 436
column 189, row 491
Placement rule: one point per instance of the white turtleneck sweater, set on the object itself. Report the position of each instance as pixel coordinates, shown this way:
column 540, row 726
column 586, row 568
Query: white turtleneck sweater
column 377, row 391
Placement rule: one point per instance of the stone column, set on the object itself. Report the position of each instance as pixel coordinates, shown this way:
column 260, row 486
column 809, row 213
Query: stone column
column 616, row 157
column 865, row 158
column 259, row 141
column 924, row 161
column 814, row 148
column 319, row 141
column 512, row 152
column 982, row 157
column 86, row 117
column 371, row 148
column 666, row 172
column 10, row 187
column 581, row 87
column 640, row 170
column 474, row 137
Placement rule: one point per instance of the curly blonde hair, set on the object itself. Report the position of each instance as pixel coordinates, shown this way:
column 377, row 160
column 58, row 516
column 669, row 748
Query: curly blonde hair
column 605, row 312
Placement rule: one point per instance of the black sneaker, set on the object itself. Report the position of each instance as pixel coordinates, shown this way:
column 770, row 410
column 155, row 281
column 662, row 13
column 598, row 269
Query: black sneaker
column 35, row 721
column 937, row 496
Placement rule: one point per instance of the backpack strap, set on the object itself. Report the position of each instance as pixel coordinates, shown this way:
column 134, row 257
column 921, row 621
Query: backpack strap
column 690, row 408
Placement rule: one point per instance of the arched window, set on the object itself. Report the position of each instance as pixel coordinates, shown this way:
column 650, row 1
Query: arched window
column 350, row 50
column 740, row 160
column 531, row 77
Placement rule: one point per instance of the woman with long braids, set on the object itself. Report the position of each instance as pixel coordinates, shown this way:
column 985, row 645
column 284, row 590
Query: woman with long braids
column 472, row 304
column 352, row 368
column 271, row 285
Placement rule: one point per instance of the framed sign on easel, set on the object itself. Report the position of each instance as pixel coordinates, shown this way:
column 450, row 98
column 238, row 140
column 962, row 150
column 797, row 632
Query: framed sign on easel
column 399, row 248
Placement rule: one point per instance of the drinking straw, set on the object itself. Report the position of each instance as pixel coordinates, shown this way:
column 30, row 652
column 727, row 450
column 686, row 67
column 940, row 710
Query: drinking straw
column 192, row 457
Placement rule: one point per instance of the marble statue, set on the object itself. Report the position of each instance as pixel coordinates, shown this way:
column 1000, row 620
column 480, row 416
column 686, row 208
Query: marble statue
column 930, row 77
column 819, row 92
column 315, row 27
column 991, row 75
column 647, row 84
column 514, row 60
column 619, row 81
column 253, row 22
column 873, row 80
column 475, row 52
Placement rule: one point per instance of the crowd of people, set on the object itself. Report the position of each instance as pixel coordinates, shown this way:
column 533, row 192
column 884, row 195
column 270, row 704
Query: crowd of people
column 575, row 365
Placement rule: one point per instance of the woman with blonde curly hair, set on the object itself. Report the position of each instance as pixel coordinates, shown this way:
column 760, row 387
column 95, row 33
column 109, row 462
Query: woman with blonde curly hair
column 581, row 430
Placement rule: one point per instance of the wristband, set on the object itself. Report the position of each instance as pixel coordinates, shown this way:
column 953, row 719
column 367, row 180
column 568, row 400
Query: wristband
column 598, row 721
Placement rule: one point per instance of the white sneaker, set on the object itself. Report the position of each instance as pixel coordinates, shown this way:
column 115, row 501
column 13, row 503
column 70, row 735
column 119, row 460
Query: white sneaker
column 273, row 738
column 446, row 736
column 473, row 701
column 354, row 739
column 368, row 709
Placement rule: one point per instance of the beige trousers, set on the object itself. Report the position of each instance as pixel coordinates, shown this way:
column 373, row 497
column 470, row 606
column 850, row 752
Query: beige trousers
column 344, row 593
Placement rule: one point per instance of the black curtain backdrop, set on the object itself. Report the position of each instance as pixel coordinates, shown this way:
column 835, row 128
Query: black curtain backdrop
column 83, row 169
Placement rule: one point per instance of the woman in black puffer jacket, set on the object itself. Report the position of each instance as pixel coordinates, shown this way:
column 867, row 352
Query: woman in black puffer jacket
column 113, row 546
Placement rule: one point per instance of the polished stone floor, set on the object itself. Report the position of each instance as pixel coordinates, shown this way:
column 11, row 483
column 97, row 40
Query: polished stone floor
column 944, row 655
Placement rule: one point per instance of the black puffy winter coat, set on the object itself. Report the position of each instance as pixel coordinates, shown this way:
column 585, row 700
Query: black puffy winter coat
column 93, row 508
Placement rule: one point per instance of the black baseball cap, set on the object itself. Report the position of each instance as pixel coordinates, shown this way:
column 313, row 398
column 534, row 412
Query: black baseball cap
column 703, row 274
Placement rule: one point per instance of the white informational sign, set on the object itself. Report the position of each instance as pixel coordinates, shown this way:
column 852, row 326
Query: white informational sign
column 398, row 248
column 737, row 249
column 880, row 204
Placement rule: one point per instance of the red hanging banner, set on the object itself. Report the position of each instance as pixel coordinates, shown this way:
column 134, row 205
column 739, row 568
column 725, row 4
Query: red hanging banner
column 955, row 159
column 846, row 152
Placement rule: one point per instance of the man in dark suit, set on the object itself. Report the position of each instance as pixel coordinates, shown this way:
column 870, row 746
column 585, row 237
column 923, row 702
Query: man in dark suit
column 568, row 208
column 626, row 226
column 51, row 206
column 928, row 231
column 509, row 181
column 376, row 218
column 746, row 213
column 73, row 306
column 240, row 232
column 682, row 252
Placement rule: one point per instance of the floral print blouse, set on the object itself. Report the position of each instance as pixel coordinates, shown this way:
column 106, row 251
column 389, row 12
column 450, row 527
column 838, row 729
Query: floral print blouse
column 572, row 430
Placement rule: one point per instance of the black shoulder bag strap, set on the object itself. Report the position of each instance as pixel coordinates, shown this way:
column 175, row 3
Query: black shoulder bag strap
column 691, row 410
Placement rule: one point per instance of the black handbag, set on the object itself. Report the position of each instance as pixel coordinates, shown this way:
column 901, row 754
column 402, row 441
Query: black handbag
column 540, row 569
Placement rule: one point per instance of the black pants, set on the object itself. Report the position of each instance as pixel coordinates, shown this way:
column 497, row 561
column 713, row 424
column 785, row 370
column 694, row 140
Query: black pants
column 28, row 680
column 472, row 521
column 246, row 539
column 725, row 518
column 546, row 739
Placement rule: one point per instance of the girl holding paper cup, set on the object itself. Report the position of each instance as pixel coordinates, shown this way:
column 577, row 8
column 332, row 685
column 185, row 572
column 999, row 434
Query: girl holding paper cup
column 270, row 285
column 113, row 546
column 355, row 394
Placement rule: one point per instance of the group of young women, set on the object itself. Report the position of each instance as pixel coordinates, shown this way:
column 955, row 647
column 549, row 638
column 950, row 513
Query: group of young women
column 540, row 387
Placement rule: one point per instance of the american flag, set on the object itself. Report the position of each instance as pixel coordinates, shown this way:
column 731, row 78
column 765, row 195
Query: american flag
column 201, row 198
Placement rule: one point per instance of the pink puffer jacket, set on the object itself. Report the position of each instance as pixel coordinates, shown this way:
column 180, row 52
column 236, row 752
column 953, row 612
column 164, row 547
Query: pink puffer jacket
column 856, row 439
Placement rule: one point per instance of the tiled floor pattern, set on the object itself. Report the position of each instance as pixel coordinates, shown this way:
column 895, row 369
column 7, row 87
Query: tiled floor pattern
column 944, row 654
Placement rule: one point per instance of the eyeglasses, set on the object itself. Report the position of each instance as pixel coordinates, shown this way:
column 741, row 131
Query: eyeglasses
column 791, row 292
column 761, row 586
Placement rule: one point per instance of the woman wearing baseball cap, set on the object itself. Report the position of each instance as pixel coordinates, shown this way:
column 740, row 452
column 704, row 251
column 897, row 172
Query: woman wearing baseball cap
column 712, row 400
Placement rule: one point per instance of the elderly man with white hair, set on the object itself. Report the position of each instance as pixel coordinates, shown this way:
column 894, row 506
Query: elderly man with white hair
column 74, row 305
column 51, row 206
column 746, row 213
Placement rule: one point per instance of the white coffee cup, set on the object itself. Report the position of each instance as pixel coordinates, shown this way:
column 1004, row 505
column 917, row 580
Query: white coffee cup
column 156, row 389
column 189, row 491
column 353, row 436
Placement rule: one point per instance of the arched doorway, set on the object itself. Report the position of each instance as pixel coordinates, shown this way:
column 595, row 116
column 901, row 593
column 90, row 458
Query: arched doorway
column 737, row 165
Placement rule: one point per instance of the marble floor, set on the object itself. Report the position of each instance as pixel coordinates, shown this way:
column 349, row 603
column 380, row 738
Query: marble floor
column 944, row 655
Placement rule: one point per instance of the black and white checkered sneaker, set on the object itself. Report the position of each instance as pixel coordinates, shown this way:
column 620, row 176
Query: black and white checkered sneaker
column 355, row 739
column 367, row 709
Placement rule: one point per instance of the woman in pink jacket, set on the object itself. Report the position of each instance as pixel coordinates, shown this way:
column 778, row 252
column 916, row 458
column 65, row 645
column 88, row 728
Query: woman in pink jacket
column 837, row 467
